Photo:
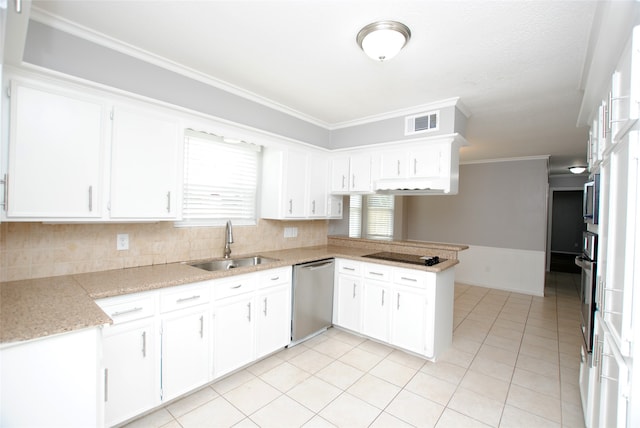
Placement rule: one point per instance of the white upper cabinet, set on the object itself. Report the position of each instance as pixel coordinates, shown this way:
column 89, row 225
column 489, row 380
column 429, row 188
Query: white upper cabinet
column 146, row 158
column 56, row 154
column 69, row 162
column 430, row 166
column 294, row 184
column 351, row 174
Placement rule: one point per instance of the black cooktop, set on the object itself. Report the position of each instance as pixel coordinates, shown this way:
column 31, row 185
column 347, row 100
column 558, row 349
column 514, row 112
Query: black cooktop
column 406, row 258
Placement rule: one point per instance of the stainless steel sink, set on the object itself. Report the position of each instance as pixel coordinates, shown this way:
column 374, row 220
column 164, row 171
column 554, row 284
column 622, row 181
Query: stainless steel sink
column 226, row 264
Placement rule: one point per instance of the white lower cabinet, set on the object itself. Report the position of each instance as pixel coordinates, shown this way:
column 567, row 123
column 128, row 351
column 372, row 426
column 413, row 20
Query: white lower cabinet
column 349, row 298
column 233, row 334
column 185, row 351
column 409, row 320
column 130, row 358
column 252, row 318
column 273, row 319
column 408, row 308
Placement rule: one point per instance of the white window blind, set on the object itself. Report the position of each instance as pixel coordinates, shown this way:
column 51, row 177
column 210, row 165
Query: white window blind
column 371, row 216
column 220, row 180
column 380, row 216
column 355, row 216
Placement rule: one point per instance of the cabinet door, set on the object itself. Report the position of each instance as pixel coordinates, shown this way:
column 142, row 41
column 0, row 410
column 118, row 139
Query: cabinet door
column 335, row 206
column 131, row 364
column 185, row 351
column 146, row 158
column 360, row 170
column 233, row 334
column 426, row 162
column 393, row 164
column 55, row 154
column 349, row 302
column 340, row 174
column 273, row 308
column 295, row 184
column 376, row 307
column 408, row 326
column 318, row 170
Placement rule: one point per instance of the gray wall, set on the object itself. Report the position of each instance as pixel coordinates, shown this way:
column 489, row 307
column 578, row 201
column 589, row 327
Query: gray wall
column 382, row 131
column 499, row 204
column 60, row 51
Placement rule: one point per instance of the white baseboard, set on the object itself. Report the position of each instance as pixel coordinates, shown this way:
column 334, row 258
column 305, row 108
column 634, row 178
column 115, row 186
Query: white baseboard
column 521, row 271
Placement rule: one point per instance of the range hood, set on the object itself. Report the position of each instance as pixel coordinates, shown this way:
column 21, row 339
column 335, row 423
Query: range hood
column 436, row 186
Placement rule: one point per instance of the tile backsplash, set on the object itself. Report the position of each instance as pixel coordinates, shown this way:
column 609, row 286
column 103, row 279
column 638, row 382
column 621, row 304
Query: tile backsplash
column 36, row 250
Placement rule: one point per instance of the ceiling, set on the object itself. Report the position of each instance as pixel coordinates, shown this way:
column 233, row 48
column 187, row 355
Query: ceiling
column 517, row 66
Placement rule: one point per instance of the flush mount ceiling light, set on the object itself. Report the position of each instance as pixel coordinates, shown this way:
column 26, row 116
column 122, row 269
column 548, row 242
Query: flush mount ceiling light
column 578, row 169
column 382, row 40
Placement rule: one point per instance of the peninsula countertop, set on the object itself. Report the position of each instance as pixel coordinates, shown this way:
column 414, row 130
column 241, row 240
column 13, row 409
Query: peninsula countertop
column 35, row 308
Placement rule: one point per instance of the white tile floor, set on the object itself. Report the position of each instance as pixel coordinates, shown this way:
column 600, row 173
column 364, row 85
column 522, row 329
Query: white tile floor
column 514, row 362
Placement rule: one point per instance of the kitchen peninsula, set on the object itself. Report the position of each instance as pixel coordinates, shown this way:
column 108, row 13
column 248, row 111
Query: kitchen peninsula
column 59, row 319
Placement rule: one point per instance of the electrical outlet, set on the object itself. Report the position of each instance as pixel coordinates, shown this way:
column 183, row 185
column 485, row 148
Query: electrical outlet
column 122, row 241
column 290, row 232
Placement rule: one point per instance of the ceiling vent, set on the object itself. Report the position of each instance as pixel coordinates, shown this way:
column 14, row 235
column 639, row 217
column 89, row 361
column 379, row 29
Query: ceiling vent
column 422, row 122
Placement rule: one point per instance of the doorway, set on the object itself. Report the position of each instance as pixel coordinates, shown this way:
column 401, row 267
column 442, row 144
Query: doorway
column 567, row 226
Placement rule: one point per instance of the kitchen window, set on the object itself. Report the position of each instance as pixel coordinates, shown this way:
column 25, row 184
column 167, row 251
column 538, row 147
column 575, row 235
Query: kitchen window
column 220, row 181
column 371, row 216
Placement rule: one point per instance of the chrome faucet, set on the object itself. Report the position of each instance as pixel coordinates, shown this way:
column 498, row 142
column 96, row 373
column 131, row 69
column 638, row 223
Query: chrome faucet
column 228, row 239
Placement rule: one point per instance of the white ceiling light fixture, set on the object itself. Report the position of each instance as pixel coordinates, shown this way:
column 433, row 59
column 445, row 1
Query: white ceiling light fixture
column 382, row 40
column 578, row 169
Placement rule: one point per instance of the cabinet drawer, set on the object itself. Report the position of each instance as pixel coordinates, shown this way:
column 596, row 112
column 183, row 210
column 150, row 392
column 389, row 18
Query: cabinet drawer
column 275, row 276
column 130, row 307
column 410, row 277
column 185, row 296
column 235, row 285
column 349, row 267
column 377, row 272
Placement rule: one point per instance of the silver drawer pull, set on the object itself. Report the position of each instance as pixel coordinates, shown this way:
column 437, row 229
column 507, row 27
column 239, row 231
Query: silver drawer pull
column 237, row 286
column 408, row 279
column 376, row 273
column 125, row 312
column 348, row 268
column 186, row 299
column 275, row 278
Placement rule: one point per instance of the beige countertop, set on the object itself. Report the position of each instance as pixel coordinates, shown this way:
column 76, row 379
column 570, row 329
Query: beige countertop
column 35, row 308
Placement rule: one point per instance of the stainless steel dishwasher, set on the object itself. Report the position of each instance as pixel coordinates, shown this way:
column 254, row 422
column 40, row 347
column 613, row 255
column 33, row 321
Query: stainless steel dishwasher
column 312, row 308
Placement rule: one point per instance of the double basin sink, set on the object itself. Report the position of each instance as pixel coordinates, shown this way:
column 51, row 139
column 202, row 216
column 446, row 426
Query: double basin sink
column 227, row 264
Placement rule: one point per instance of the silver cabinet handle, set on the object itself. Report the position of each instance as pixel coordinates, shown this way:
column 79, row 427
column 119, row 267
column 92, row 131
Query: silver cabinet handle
column 126, row 311
column 186, row 299
column 376, row 273
column 290, row 206
column 168, row 202
column 237, row 286
column 398, row 168
column 353, row 181
column 5, row 183
column 275, row 278
column 354, row 290
column 348, row 268
column 339, row 208
column 313, row 207
column 144, row 344
column 106, row 385
column 382, row 298
column 265, row 307
column 415, row 166
column 249, row 311
column 398, row 303
column 343, row 180
column 409, row 279
column 201, row 326
column 90, row 198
